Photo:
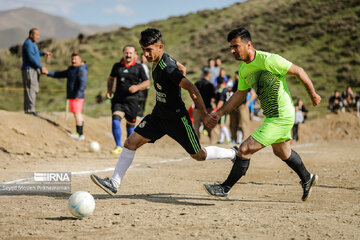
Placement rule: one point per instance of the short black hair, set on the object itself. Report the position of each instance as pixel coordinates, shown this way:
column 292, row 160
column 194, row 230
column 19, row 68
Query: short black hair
column 242, row 33
column 150, row 36
column 31, row 31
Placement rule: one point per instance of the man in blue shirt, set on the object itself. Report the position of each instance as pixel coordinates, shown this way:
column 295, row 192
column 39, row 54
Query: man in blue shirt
column 31, row 69
column 76, row 83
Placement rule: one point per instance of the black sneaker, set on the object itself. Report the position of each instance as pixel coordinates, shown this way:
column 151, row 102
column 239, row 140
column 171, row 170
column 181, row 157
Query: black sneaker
column 235, row 148
column 105, row 184
column 216, row 190
column 308, row 186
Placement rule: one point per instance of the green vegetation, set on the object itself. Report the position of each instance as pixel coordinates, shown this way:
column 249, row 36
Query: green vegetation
column 322, row 36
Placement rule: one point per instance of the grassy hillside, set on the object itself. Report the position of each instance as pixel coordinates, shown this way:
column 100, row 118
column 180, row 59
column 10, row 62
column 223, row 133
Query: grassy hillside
column 320, row 35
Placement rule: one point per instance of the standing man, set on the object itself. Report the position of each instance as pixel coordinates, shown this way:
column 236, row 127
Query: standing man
column 130, row 79
column 76, row 83
column 212, row 69
column 169, row 116
column 265, row 73
column 31, row 69
column 143, row 94
column 207, row 92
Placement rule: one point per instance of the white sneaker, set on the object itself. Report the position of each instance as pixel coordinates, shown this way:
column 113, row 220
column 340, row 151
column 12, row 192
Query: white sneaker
column 76, row 136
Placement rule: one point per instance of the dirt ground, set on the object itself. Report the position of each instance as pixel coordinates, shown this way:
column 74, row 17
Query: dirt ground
column 161, row 196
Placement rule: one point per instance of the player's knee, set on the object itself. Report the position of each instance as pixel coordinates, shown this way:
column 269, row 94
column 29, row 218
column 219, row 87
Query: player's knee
column 116, row 117
column 243, row 150
column 130, row 144
column 281, row 154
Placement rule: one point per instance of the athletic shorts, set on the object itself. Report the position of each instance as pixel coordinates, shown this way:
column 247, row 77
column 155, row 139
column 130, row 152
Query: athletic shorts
column 76, row 106
column 129, row 107
column 273, row 130
column 178, row 128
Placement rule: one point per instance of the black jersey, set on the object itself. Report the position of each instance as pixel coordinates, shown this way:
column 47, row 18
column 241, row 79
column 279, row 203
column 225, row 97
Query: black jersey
column 221, row 94
column 127, row 76
column 167, row 77
column 207, row 91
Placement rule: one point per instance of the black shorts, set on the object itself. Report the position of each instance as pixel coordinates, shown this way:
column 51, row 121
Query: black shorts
column 178, row 128
column 129, row 107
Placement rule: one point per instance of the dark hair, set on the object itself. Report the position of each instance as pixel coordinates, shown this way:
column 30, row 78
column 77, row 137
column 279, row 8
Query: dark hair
column 220, row 81
column 31, row 31
column 206, row 72
column 74, row 54
column 150, row 36
column 210, row 59
column 129, row 45
column 242, row 33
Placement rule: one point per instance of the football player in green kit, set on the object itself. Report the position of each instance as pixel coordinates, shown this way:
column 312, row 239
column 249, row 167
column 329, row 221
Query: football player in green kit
column 265, row 72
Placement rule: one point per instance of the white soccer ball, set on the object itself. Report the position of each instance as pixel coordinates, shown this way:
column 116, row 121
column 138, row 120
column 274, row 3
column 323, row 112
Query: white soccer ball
column 81, row 204
column 94, row 146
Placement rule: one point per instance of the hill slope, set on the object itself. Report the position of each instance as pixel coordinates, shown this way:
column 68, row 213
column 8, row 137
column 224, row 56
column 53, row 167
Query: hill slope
column 321, row 36
column 15, row 25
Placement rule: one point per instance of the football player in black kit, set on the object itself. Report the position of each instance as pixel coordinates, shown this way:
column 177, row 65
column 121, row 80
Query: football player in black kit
column 169, row 116
column 130, row 79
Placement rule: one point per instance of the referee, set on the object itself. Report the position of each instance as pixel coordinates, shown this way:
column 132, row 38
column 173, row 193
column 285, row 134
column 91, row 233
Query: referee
column 169, row 116
column 130, row 79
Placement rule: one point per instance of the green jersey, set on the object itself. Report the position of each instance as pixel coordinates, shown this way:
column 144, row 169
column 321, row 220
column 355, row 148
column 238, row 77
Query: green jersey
column 266, row 75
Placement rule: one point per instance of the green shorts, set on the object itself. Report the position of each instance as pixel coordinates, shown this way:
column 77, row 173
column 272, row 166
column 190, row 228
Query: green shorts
column 274, row 130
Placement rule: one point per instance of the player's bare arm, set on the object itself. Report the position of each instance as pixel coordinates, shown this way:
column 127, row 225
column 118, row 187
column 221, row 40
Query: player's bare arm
column 182, row 68
column 110, row 84
column 306, row 81
column 141, row 86
column 196, row 97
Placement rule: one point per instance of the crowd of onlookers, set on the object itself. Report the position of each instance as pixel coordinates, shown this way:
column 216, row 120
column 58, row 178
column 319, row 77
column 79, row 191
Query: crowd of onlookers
column 216, row 87
column 345, row 102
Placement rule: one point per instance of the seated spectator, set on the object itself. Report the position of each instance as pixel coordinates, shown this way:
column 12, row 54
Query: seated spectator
column 335, row 102
column 348, row 99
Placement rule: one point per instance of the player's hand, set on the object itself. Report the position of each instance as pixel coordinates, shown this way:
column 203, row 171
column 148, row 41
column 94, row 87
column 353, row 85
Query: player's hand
column 48, row 54
column 211, row 120
column 108, row 95
column 133, row 89
column 315, row 99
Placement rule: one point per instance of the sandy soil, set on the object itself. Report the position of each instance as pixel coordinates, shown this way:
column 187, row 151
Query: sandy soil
column 161, row 196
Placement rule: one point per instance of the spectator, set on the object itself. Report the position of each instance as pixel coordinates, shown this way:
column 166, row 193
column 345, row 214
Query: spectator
column 357, row 102
column 299, row 118
column 212, row 69
column 221, row 75
column 31, row 69
column 348, row 99
column 302, row 108
column 221, row 98
column 335, row 102
column 76, row 83
column 207, row 92
column 143, row 94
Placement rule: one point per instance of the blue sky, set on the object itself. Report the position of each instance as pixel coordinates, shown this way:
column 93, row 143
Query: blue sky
column 121, row 12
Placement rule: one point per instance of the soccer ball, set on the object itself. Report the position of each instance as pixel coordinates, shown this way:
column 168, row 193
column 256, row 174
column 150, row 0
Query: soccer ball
column 81, row 204
column 94, row 146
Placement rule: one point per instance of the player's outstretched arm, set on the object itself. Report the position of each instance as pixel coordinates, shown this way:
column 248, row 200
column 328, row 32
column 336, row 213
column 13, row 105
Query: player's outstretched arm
column 306, row 81
column 196, row 97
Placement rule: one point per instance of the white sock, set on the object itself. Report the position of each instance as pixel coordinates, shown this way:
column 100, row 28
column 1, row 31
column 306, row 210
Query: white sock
column 222, row 135
column 239, row 136
column 227, row 134
column 124, row 162
column 213, row 152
